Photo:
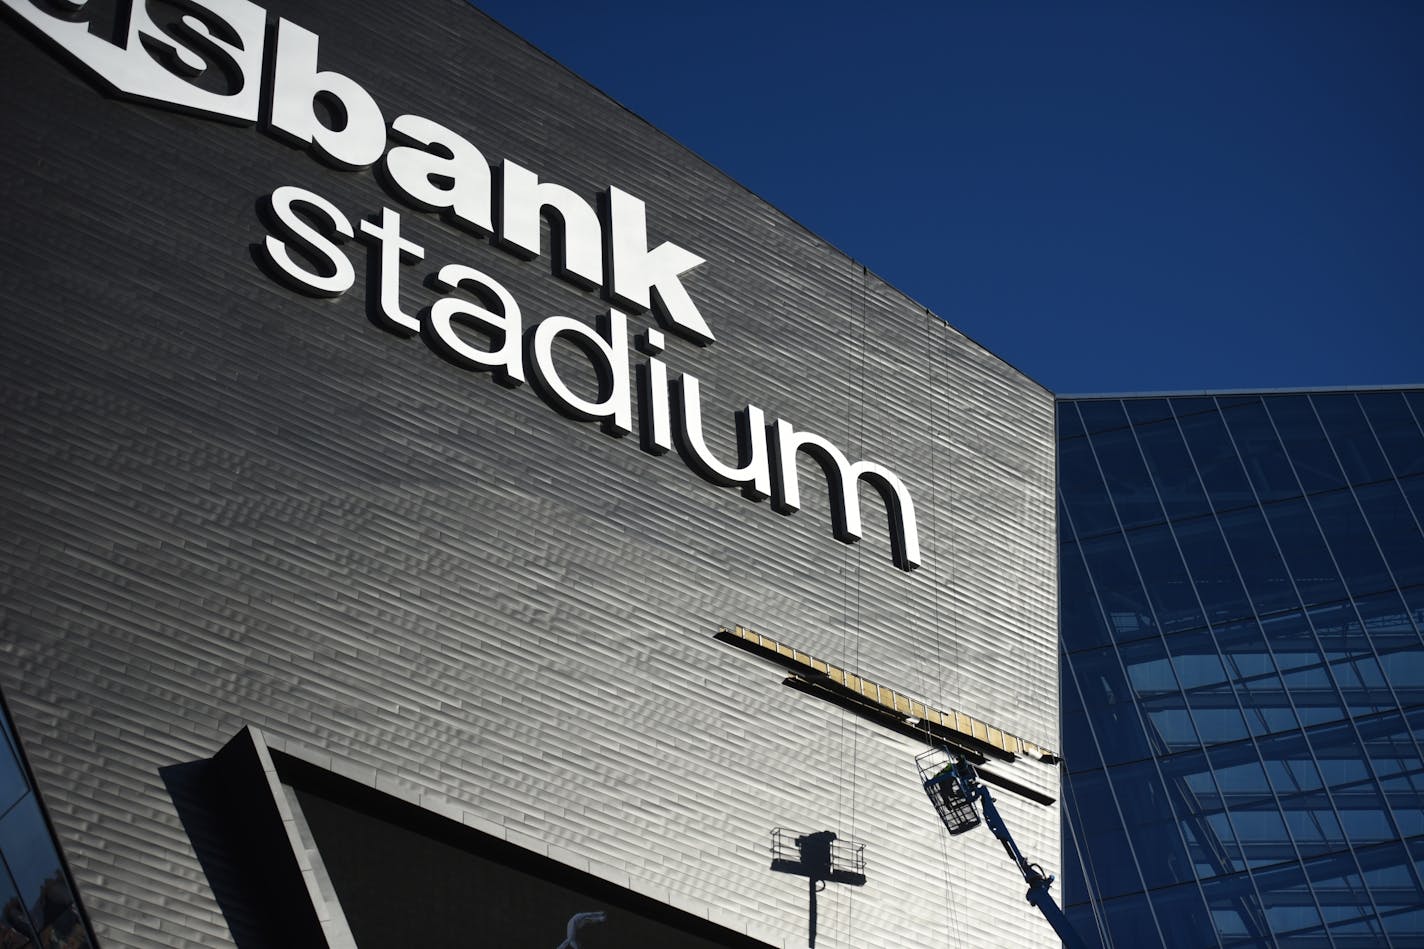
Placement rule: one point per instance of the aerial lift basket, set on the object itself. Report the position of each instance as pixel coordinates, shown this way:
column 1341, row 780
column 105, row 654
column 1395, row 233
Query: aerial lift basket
column 946, row 791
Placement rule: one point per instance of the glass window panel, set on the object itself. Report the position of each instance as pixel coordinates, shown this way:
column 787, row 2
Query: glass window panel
column 1079, row 747
column 1339, row 754
column 1145, row 813
column 1069, row 423
column 1365, row 933
column 1349, row 537
column 1160, row 850
column 1107, row 701
column 1362, row 814
column 1290, row 907
column 1081, row 487
column 1165, row 576
column 1395, row 530
column 1267, row 707
column 1088, row 797
column 1172, row 729
column 1235, row 910
column 1217, row 461
column 1262, row 832
column 1195, row 797
column 1397, row 431
column 1110, row 863
column 1416, row 850
column 1355, row 446
column 1243, row 649
column 1253, row 672
column 1141, row 794
column 1300, row 541
column 1414, row 600
column 1261, row 451
column 1305, row 442
column 1213, row 573
column 1081, row 916
column 12, row 778
column 1405, row 927
column 1415, row 398
column 1339, row 887
column 1338, row 630
column 1132, row 914
column 1289, row 765
column 1387, row 876
column 1127, row 478
column 1190, row 775
column 1080, row 618
column 1120, row 590
column 1101, row 415
column 15, row 926
column 1240, row 774
column 1406, row 803
column 1186, row 924
column 1172, row 470
column 1192, row 405
column 1215, row 720
column 1405, row 672
column 1413, row 488
column 1145, row 411
column 1313, row 824
column 1196, row 661
column 1387, row 622
column 30, row 855
column 1292, row 640
column 1362, row 685
column 1313, row 691
column 1388, row 741
column 1149, row 670
column 1259, row 560
column 1204, row 683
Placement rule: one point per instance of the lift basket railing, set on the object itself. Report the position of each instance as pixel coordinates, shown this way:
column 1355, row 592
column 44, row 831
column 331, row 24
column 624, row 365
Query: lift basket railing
column 946, row 792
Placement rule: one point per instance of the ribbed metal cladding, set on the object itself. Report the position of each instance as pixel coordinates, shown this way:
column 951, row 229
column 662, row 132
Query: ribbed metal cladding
column 228, row 504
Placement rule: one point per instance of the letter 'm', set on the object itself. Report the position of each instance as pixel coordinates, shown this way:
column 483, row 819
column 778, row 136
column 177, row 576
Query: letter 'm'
column 842, row 479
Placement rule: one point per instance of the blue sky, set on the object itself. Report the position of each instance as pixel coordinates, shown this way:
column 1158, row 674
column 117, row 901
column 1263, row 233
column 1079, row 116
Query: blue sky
column 1117, row 197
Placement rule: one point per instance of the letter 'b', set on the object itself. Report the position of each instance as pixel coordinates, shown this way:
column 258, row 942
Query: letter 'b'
column 360, row 139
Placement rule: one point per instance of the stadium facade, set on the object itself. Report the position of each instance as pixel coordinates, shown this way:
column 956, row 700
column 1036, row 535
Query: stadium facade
column 423, row 480
column 1242, row 671
column 401, row 439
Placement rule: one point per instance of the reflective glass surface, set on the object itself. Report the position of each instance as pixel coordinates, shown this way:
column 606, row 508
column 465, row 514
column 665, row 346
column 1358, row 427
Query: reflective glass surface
column 1243, row 670
column 37, row 904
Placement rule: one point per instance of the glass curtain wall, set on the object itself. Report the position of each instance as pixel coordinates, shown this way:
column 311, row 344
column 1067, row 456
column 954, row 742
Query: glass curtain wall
column 37, row 905
column 1242, row 595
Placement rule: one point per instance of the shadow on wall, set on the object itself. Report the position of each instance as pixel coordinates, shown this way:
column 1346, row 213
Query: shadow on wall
column 231, row 818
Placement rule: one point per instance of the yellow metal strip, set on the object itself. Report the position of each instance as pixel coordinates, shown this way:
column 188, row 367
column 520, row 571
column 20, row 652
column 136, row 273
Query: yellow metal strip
column 896, row 702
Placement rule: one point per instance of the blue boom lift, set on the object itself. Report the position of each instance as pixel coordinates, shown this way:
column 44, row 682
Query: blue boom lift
column 953, row 787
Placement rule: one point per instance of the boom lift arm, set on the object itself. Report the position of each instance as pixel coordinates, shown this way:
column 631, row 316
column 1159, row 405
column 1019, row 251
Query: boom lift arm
column 954, row 790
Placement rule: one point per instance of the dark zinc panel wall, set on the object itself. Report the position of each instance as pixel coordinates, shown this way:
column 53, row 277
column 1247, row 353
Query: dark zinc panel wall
column 1242, row 594
column 227, row 503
